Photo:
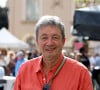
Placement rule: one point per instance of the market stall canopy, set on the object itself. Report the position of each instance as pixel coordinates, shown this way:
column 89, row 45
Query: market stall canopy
column 10, row 41
column 86, row 23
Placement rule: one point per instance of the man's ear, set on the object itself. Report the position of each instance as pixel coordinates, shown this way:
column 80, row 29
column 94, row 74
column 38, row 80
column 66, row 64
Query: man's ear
column 64, row 41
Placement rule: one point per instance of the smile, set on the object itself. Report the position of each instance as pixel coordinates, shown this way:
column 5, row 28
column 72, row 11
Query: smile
column 50, row 49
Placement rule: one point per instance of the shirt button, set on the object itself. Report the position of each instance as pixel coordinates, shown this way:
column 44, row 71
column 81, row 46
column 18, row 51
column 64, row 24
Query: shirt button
column 44, row 79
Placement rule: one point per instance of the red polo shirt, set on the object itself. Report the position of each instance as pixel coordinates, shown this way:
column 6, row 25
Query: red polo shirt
column 73, row 76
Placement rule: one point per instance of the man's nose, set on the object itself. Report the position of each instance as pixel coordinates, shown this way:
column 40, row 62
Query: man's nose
column 49, row 41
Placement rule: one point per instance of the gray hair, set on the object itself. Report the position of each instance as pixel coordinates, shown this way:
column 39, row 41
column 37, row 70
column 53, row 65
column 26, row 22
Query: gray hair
column 49, row 20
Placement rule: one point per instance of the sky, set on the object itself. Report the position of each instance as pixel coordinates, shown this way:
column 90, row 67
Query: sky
column 3, row 3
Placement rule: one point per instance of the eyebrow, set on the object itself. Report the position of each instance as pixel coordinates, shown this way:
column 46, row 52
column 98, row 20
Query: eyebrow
column 55, row 35
column 43, row 35
column 46, row 35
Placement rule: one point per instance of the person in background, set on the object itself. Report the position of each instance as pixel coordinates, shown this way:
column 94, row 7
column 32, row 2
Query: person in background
column 29, row 55
column 20, row 60
column 78, row 57
column 39, row 73
column 64, row 52
column 92, row 60
column 2, row 74
column 12, row 62
column 4, row 60
column 97, row 59
column 35, row 53
column 72, row 55
column 84, row 58
column 96, row 78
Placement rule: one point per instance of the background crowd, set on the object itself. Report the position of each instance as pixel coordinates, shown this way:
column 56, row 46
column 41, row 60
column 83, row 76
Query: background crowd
column 11, row 60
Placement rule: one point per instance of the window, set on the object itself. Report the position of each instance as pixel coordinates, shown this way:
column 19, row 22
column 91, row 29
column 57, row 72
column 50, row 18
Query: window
column 32, row 10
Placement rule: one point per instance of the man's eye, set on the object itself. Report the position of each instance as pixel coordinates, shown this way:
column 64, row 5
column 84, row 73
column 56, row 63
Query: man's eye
column 44, row 38
column 55, row 37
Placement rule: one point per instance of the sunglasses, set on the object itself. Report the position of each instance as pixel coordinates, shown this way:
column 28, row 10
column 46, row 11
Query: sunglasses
column 46, row 87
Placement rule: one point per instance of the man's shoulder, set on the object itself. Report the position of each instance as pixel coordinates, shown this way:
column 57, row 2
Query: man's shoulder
column 74, row 64
column 29, row 66
column 33, row 61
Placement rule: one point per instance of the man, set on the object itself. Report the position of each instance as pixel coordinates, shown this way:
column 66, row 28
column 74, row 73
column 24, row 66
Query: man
column 35, row 74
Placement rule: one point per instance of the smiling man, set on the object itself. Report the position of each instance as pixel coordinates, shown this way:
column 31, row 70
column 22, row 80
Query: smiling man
column 47, row 71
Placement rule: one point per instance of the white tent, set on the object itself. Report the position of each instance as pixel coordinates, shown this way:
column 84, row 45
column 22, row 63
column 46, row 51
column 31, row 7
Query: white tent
column 10, row 41
column 91, row 8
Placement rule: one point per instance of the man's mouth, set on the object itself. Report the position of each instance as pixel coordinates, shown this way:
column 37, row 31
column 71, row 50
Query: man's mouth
column 50, row 48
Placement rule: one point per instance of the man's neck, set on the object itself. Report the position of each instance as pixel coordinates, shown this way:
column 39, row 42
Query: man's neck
column 49, row 64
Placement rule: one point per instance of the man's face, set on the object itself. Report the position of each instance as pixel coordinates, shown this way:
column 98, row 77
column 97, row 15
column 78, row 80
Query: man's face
column 50, row 41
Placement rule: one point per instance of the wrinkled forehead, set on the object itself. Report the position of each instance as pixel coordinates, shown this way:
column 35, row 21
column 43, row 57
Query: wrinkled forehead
column 50, row 29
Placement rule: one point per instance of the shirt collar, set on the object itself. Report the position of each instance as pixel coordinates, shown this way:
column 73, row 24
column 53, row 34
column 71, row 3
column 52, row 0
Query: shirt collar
column 39, row 64
column 38, row 67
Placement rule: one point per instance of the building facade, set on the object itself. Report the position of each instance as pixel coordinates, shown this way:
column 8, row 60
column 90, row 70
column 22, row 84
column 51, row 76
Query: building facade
column 23, row 15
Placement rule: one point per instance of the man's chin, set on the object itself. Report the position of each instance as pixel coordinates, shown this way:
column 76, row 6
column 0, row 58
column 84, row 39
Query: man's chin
column 50, row 55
